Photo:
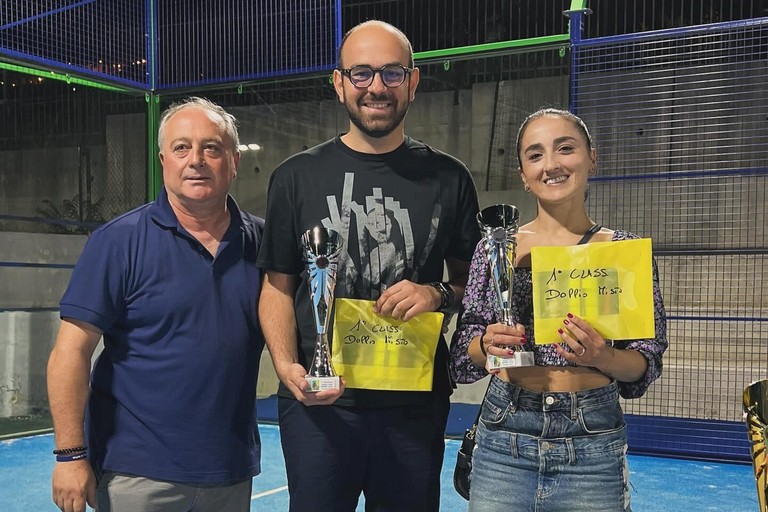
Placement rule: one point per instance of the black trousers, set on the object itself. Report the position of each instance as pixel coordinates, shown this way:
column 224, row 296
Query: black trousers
column 393, row 456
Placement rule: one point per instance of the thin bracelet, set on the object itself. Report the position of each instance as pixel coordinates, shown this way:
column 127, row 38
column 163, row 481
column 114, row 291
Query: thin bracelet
column 482, row 347
column 64, row 451
column 70, row 458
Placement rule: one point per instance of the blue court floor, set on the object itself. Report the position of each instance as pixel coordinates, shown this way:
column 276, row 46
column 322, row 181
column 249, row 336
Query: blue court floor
column 659, row 484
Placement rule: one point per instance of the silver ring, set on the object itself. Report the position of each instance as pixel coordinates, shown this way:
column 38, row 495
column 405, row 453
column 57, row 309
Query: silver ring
column 583, row 351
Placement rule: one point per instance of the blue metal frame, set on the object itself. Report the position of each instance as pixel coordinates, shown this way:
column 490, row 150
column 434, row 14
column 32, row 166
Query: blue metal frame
column 643, row 433
column 656, row 34
column 151, row 8
column 683, row 174
column 575, row 27
column 75, row 70
column 20, row 264
column 46, row 14
column 339, row 35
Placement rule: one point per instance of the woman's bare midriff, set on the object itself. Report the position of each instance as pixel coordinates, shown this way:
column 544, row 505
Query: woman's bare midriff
column 555, row 378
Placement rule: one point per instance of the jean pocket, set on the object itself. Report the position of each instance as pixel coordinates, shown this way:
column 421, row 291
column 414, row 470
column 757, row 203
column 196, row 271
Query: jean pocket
column 602, row 418
column 494, row 410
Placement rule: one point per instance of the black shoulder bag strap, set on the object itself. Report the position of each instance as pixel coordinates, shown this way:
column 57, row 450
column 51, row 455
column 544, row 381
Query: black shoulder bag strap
column 591, row 231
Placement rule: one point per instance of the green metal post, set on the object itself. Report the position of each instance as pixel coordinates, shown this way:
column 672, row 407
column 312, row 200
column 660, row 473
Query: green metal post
column 154, row 169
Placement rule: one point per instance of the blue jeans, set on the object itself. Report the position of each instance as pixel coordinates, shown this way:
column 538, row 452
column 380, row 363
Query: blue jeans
column 542, row 452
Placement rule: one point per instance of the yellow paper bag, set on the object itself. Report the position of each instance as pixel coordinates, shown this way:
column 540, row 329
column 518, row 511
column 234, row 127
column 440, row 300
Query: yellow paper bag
column 374, row 352
column 609, row 284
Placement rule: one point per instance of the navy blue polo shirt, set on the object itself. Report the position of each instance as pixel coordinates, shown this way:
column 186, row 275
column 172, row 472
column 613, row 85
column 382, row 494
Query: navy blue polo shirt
column 173, row 393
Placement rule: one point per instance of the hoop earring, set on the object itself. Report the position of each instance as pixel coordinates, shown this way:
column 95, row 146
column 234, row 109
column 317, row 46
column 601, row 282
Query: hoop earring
column 527, row 188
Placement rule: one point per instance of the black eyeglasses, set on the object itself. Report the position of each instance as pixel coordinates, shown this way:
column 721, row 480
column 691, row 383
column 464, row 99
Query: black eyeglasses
column 393, row 75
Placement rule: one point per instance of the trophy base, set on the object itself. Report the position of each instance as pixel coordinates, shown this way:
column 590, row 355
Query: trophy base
column 321, row 383
column 517, row 360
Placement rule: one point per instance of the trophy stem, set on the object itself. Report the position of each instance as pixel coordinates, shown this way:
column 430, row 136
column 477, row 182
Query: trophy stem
column 522, row 357
column 321, row 364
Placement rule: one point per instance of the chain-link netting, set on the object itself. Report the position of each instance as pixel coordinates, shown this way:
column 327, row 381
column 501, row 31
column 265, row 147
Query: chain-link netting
column 679, row 119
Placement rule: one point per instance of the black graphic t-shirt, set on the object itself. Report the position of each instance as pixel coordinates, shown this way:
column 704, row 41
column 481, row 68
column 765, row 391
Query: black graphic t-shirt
column 400, row 215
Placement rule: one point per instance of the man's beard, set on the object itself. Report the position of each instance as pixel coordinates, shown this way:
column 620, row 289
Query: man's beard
column 374, row 128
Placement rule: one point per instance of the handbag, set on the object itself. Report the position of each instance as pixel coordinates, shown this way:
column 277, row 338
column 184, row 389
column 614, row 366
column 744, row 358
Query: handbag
column 464, row 462
column 464, row 457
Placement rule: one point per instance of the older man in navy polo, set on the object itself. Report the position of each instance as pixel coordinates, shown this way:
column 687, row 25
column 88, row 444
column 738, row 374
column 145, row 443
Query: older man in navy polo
column 173, row 289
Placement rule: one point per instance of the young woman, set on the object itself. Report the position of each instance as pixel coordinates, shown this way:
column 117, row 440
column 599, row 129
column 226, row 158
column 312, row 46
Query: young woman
column 552, row 436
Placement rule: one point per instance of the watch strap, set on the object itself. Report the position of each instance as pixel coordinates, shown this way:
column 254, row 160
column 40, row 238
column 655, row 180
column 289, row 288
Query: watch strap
column 445, row 291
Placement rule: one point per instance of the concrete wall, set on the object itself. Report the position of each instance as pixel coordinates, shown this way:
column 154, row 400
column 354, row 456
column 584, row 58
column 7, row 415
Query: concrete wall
column 29, row 297
column 25, row 342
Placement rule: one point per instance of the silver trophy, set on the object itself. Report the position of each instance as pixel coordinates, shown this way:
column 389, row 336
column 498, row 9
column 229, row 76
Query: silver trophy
column 322, row 248
column 756, row 416
column 498, row 223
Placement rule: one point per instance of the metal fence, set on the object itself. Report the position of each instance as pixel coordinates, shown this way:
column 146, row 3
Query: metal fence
column 240, row 40
column 104, row 39
column 680, row 119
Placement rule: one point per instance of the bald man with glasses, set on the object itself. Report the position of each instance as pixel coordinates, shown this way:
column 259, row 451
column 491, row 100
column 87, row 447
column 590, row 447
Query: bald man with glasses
column 405, row 211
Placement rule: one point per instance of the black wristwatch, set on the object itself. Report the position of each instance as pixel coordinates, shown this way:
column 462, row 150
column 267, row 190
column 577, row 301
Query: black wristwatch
column 446, row 294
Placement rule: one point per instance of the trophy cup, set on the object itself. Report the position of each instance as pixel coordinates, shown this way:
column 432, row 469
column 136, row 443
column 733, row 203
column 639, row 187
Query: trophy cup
column 498, row 223
column 321, row 252
column 756, row 416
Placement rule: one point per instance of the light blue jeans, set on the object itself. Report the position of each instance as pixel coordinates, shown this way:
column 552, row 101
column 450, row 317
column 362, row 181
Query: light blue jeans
column 543, row 452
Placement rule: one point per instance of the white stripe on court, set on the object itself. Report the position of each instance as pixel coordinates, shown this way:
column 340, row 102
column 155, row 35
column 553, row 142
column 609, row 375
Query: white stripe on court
column 267, row 493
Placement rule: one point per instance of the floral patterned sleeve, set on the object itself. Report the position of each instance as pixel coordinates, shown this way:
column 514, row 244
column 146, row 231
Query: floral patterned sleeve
column 477, row 311
column 652, row 348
